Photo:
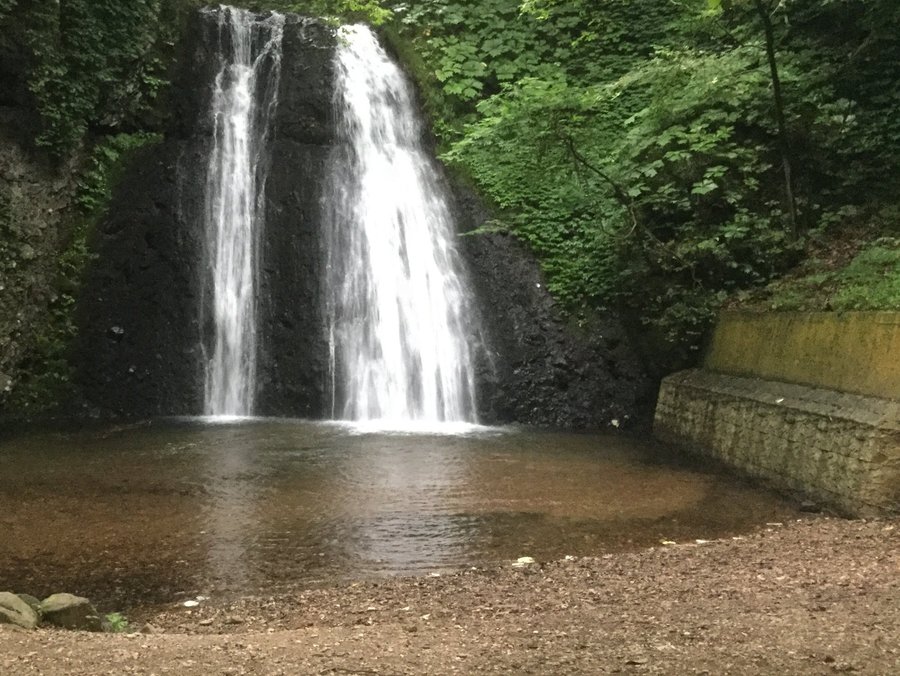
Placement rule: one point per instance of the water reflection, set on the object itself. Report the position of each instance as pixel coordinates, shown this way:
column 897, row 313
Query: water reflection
column 394, row 502
column 142, row 514
column 230, row 513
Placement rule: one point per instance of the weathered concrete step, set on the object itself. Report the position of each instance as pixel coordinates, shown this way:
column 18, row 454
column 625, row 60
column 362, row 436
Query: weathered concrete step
column 841, row 449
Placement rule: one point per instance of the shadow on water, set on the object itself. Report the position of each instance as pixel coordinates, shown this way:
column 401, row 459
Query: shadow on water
column 148, row 513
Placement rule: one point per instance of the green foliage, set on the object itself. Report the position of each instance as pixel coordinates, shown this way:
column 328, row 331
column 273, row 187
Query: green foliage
column 115, row 623
column 869, row 281
column 104, row 168
column 654, row 199
column 697, row 169
column 94, row 65
column 507, row 153
column 872, row 279
column 473, row 49
column 636, row 148
column 340, row 11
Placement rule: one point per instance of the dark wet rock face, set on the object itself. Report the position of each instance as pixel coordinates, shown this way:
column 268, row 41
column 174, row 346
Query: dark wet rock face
column 536, row 367
column 293, row 362
column 139, row 341
column 140, row 350
column 36, row 197
column 541, row 369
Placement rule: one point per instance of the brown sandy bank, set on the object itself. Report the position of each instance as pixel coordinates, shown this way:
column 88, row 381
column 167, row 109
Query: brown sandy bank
column 816, row 596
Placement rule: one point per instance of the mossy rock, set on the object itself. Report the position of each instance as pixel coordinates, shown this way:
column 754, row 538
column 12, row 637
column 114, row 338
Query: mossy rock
column 71, row 612
column 14, row 610
column 32, row 601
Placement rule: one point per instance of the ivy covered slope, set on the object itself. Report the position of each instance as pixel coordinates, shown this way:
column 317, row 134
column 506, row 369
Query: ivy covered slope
column 663, row 157
column 80, row 85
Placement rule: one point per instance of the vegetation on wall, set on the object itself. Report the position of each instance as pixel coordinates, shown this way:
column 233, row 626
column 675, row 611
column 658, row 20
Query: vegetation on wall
column 48, row 378
column 87, row 75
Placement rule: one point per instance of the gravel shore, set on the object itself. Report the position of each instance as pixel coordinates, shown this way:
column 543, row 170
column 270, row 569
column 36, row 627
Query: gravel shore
column 814, row 596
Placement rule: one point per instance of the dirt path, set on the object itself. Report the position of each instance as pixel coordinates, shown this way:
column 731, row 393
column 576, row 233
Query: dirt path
column 817, row 596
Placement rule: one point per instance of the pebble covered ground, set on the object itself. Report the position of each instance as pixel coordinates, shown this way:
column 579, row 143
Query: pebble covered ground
column 816, row 596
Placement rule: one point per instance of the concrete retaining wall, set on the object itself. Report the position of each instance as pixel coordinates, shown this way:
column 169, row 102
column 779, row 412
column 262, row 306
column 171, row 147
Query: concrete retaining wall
column 855, row 352
column 841, row 448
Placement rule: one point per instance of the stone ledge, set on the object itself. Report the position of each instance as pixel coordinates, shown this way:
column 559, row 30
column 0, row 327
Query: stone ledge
column 841, row 449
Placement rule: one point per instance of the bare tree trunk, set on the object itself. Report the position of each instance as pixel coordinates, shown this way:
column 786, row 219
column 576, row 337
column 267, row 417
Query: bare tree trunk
column 783, row 140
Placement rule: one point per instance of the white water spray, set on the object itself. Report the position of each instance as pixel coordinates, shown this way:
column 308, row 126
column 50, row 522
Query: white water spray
column 397, row 308
column 244, row 97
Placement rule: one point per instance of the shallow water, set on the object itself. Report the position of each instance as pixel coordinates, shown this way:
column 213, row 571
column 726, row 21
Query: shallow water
column 149, row 513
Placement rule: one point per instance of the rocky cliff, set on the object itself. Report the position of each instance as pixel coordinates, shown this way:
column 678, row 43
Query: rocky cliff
column 36, row 206
column 36, row 197
column 141, row 334
column 140, row 349
column 537, row 366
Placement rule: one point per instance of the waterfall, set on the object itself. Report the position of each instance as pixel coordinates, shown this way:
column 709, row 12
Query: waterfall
column 397, row 309
column 244, row 97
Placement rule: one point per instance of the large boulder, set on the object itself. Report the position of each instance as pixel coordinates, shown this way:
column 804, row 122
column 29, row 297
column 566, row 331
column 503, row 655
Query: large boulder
column 13, row 610
column 71, row 612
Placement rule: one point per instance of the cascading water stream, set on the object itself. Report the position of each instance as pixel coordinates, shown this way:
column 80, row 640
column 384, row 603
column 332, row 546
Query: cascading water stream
column 397, row 310
column 244, row 97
